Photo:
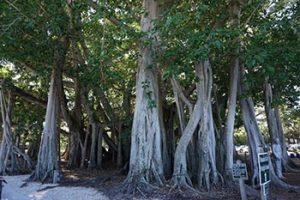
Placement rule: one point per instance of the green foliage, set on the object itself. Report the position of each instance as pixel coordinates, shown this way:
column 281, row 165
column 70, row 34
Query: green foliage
column 271, row 49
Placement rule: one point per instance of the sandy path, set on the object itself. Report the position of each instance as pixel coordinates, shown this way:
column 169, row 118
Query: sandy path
column 13, row 191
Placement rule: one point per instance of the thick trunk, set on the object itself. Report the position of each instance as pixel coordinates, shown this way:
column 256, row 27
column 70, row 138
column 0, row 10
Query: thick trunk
column 229, row 127
column 84, row 150
column 180, row 173
column 201, row 115
column 253, row 135
column 13, row 160
column 219, row 129
column 288, row 164
column 73, row 120
column 74, row 148
column 146, row 137
column 207, row 172
column 235, row 10
column 94, row 150
column 47, row 162
column 181, row 102
column 273, row 130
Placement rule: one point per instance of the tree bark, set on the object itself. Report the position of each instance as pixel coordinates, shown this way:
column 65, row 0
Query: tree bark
column 47, row 163
column 273, row 129
column 146, row 137
column 235, row 10
column 256, row 141
column 253, row 135
column 201, row 115
column 120, row 157
column 94, row 150
column 99, row 151
column 47, row 158
column 13, row 159
column 207, row 172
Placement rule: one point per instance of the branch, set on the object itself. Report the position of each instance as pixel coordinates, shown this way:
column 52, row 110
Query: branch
column 28, row 97
column 181, row 95
column 112, row 19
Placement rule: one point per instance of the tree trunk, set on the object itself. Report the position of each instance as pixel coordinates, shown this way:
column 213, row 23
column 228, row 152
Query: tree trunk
column 13, row 160
column 84, row 150
column 73, row 120
column 229, row 127
column 181, row 101
column 120, row 157
column 253, row 135
column 180, row 173
column 169, row 115
column 288, row 164
column 234, row 12
column 94, row 150
column 207, row 172
column 99, row 151
column 47, row 163
column 202, row 114
column 146, row 137
column 47, row 158
column 273, row 130
column 74, row 148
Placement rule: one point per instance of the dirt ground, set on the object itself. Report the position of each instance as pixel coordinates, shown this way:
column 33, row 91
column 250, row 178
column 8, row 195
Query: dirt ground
column 108, row 182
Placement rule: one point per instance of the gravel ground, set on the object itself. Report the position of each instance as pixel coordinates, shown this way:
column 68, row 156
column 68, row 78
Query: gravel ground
column 38, row 191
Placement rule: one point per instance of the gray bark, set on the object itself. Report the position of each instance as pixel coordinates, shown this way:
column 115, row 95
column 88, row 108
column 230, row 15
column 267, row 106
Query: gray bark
column 253, row 135
column 201, row 115
column 273, row 129
column 146, row 137
column 94, row 149
column 47, row 158
column 235, row 10
column 47, row 162
column 256, row 142
column 99, row 151
column 13, row 159
column 207, row 172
